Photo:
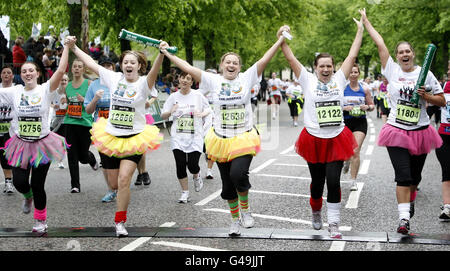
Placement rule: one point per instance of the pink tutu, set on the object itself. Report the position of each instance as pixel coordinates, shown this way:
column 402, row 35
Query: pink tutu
column 417, row 142
column 20, row 153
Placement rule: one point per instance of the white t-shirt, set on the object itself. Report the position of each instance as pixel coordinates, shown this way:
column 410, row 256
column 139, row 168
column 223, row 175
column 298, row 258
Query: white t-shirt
column 232, row 108
column 403, row 114
column 127, row 108
column 445, row 110
column 187, row 131
column 323, row 115
column 295, row 90
column 275, row 86
column 30, row 110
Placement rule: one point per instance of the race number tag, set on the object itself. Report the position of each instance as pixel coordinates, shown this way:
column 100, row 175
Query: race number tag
column 329, row 113
column 448, row 111
column 122, row 117
column 233, row 116
column 357, row 112
column 185, row 124
column 4, row 126
column 30, row 127
column 407, row 113
column 103, row 112
column 74, row 109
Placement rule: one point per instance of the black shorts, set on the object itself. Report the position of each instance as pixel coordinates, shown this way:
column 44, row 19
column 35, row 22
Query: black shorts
column 356, row 124
column 3, row 160
column 114, row 162
column 443, row 155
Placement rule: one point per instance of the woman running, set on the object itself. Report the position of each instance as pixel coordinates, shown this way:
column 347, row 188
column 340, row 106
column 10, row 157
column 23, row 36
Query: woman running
column 232, row 141
column 124, row 136
column 407, row 134
column 357, row 101
column 189, row 108
column 325, row 142
column 32, row 146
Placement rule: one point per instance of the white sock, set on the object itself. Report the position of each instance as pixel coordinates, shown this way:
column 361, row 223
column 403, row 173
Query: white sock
column 334, row 212
column 403, row 211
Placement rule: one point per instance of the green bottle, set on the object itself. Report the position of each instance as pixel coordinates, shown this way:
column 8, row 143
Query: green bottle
column 127, row 35
column 429, row 55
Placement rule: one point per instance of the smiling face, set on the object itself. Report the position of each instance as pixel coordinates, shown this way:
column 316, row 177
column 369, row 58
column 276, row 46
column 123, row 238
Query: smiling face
column 130, row 67
column 405, row 56
column 7, row 76
column 324, row 69
column 29, row 75
column 230, row 66
column 185, row 81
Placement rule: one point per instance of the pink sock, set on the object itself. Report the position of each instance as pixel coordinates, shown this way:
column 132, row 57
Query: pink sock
column 40, row 214
column 412, row 196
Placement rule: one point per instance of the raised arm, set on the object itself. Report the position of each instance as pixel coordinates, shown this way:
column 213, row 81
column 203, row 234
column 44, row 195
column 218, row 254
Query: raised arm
column 153, row 73
column 347, row 65
column 59, row 73
column 87, row 59
column 296, row 66
column 376, row 37
column 196, row 73
column 262, row 63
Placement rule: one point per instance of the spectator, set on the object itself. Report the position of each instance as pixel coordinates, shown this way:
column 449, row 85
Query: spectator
column 19, row 56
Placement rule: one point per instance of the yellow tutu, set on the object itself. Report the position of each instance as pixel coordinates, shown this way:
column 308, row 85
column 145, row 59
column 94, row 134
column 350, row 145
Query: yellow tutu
column 226, row 149
column 149, row 139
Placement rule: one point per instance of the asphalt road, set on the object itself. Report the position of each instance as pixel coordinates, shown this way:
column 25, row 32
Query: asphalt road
column 279, row 199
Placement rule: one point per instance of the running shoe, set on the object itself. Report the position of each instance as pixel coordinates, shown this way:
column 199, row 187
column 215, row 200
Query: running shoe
column 445, row 214
column 235, row 228
column 95, row 166
column 26, row 205
column 403, row 226
column 146, row 178
column 110, row 196
column 198, row 183
column 333, row 229
column 61, row 165
column 139, row 179
column 295, row 124
column 120, row 230
column 9, row 188
column 40, row 226
column 184, row 197
column 75, row 190
column 209, row 175
column 354, row 186
column 346, row 167
column 247, row 219
column 317, row 220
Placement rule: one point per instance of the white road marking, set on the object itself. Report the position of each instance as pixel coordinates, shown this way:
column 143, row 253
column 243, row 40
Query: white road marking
column 364, row 169
column 337, row 246
column 186, row 246
column 140, row 241
column 209, row 198
column 291, row 148
column 279, row 193
column 353, row 198
column 284, row 176
column 261, row 167
column 290, row 165
column 369, row 150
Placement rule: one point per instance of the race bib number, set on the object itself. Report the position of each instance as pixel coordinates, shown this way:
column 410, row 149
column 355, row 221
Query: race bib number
column 185, row 124
column 30, row 127
column 4, row 126
column 407, row 113
column 329, row 113
column 357, row 112
column 122, row 117
column 74, row 109
column 448, row 111
column 233, row 116
column 60, row 112
column 103, row 112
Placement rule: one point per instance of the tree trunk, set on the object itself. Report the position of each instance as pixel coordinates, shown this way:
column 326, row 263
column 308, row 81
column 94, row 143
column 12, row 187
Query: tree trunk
column 210, row 59
column 188, row 45
column 366, row 65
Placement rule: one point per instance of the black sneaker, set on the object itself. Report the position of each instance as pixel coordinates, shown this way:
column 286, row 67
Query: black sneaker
column 146, row 178
column 403, row 226
column 138, row 179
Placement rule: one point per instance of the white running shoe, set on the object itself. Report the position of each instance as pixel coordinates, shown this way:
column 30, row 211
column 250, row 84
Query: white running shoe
column 26, row 205
column 9, row 188
column 209, row 174
column 333, row 229
column 198, row 183
column 61, row 165
column 247, row 219
column 445, row 214
column 40, row 226
column 235, row 228
column 317, row 220
column 346, row 167
column 184, row 197
column 120, row 229
column 354, row 187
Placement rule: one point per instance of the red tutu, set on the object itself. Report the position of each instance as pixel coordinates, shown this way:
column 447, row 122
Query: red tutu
column 417, row 142
column 324, row 150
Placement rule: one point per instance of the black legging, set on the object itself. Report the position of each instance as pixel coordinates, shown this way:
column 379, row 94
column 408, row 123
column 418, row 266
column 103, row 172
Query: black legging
column 407, row 167
column 443, row 155
column 38, row 176
column 189, row 160
column 234, row 175
column 79, row 139
column 332, row 173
